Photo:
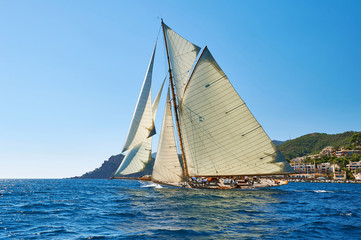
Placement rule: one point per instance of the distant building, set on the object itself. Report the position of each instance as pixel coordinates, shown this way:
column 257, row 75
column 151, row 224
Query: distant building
column 298, row 159
column 314, row 156
column 304, row 175
column 327, row 151
column 347, row 153
column 354, row 166
column 303, row 168
column 339, row 176
column 326, row 168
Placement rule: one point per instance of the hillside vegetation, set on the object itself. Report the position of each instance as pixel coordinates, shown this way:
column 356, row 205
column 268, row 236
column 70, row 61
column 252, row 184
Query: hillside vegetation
column 313, row 143
column 308, row 144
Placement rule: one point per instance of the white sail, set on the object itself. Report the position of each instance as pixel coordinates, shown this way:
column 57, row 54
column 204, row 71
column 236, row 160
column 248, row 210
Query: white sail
column 136, row 159
column 182, row 55
column 167, row 166
column 220, row 134
column 156, row 101
column 142, row 126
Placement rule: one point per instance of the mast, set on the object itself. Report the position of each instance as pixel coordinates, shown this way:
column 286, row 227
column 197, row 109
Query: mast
column 175, row 106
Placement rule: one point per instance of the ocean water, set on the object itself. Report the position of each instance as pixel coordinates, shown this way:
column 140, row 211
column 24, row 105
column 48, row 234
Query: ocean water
column 126, row 209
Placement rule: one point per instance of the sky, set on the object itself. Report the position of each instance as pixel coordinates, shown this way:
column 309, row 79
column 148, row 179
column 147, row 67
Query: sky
column 71, row 71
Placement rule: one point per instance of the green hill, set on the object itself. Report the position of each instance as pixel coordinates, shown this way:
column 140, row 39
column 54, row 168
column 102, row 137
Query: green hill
column 313, row 143
column 308, row 144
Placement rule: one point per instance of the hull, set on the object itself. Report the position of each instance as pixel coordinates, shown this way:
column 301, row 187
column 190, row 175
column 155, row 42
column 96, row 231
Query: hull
column 261, row 183
column 219, row 184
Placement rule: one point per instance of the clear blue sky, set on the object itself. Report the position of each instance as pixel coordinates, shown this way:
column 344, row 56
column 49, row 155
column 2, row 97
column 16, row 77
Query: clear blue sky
column 71, row 71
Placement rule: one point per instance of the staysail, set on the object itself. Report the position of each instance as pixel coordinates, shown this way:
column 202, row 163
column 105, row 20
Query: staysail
column 167, row 166
column 182, row 55
column 221, row 136
column 156, row 100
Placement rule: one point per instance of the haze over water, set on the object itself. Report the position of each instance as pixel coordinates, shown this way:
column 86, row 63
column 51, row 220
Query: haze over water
column 125, row 209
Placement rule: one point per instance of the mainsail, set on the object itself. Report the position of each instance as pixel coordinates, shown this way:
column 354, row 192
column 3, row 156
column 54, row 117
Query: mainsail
column 221, row 137
column 167, row 167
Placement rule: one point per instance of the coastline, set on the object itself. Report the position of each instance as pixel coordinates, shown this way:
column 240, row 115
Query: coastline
column 321, row 180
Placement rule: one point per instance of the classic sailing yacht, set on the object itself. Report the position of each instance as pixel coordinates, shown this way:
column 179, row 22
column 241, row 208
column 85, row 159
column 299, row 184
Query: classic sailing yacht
column 221, row 143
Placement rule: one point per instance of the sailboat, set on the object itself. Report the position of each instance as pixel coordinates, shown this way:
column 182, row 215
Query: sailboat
column 222, row 145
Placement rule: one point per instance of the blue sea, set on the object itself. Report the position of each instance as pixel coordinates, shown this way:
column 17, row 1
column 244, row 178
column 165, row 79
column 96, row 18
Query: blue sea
column 128, row 209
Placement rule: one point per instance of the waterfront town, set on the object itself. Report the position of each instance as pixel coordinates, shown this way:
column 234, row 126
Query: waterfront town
column 314, row 167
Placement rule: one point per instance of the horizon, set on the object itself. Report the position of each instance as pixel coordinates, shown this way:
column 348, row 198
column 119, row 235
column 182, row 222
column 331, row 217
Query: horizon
column 71, row 72
column 153, row 153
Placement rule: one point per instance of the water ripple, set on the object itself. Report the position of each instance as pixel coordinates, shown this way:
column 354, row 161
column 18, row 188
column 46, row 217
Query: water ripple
column 103, row 209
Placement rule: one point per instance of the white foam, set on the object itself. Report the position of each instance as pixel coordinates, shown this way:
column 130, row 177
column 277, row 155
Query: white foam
column 322, row 191
column 346, row 214
column 152, row 185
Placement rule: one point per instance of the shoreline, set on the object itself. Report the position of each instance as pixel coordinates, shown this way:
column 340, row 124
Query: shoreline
column 322, row 180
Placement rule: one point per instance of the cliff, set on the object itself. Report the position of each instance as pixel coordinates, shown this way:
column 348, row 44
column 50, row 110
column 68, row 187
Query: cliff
column 106, row 170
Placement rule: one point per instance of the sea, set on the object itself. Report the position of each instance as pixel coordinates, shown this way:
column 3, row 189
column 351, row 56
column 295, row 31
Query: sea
column 130, row 209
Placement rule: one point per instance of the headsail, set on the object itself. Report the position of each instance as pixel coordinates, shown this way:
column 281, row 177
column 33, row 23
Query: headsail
column 220, row 134
column 182, row 54
column 167, row 166
column 137, row 157
column 142, row 126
